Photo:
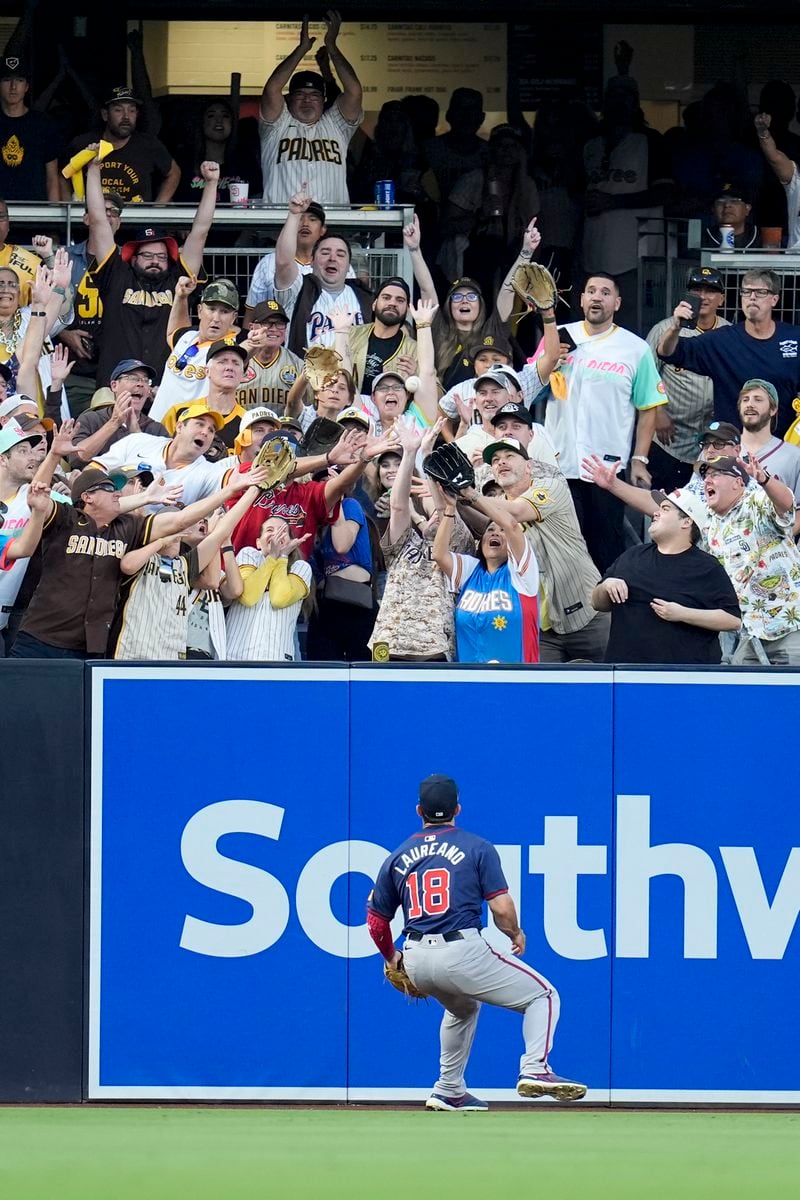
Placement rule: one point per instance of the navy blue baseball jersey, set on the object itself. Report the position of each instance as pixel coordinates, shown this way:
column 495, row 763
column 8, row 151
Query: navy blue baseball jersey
column 441, row 876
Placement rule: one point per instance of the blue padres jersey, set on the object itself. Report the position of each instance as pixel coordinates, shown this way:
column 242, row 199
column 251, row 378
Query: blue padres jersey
column 441, row 876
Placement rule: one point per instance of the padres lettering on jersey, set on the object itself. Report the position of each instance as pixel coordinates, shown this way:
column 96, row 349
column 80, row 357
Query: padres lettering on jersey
column 301, row 149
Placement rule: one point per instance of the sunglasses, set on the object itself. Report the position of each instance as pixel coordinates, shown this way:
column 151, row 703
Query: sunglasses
column 461, row 297
column 189, row 353
column 102, row 487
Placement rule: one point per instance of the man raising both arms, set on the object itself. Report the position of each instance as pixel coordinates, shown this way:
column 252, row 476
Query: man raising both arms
column 299, row 139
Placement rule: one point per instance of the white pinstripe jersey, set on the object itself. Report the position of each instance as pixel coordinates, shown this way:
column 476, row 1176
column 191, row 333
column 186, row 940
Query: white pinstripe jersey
column 206, row 629
column 156, row 611
column 267, row 384
column 261, row 633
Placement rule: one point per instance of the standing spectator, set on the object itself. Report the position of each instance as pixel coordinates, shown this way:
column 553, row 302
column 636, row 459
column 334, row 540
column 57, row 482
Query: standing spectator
column 184, row 378
column 99, row 428
column 611, row 380
column 415, row 619
column 498, row 400
column 136, row 282
column 310, row 229
column 758, row 347
column 29, row 142
column 778, row 103
column 496, row 607
column 690, row 397
column 459, row 150
column 272, row 370
column 668, row 599
column 385, row 342
column 218, row 136
column 627, row 178
column 82, row 338
column 275, row 581
column 137, row 157
column 21, row 452
column 784, row 168
column 758, row 411
column 732, row 206
column 309, row 299
column 300, row 140
column 463, row 320
column 337, row 394
column 18, row 322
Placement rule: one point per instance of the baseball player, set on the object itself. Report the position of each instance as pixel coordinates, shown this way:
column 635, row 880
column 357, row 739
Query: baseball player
column 272, row 368
column 441, row 877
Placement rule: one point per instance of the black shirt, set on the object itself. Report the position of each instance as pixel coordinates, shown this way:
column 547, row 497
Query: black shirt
column 135, row 314
column 129, row 170
column 692, row 578
column 27, row 144
column 379, row 351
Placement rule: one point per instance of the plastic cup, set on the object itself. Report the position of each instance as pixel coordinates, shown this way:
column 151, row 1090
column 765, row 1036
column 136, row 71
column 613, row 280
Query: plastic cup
column 239, row 193
column 771, row 237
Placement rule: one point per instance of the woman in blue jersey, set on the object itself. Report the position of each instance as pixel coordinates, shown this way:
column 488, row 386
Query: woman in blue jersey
column 497, row 610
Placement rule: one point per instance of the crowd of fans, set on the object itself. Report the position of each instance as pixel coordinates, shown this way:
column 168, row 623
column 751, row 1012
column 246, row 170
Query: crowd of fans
column 186, row 472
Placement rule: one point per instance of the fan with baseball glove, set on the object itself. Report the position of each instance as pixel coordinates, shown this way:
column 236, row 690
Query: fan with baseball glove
column 534, row 284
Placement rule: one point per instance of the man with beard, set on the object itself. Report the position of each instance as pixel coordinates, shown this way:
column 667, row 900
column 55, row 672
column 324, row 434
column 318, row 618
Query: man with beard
column 757, row 348
column 99, row 428
column 309, row 300
column 129, row 170
column 184, row 378
column 380, row 346
column 758, row 411
column 272, row 368
column 611, row 380
column 137, row 281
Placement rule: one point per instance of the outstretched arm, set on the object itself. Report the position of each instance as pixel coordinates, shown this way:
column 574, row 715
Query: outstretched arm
column 272, row 95
column 411, row 241
column 195, row 243
column 286, row 268
column 100, row 233
column 179, row 313
column 400, row 505
column 427, row 395
column 349, row 103
column 782, row 165
column 504, row 305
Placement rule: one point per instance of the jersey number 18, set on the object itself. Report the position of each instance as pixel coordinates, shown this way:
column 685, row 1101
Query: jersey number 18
column 434, row 886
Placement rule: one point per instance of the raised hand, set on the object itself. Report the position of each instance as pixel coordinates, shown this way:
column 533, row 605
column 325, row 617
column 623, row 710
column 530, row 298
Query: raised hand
column 430, row 435
column 38, row 498
column 762, row 123
column 306, row 42
column 42, row 244
column 60, row 367
column 333, row 22
column 465, row 408
column 412, row 235
column 594, row 470
column 423, row 313
column 185, row 285
column 300, row 200
column 209, row 171
column 348, row 448
column 408, row 436
column 288, row 546
column 62, row 443
column 168, row 495
column 341, row 319
column 531, row 238
column 42, row 287
column 62, row 269
column 406, row 365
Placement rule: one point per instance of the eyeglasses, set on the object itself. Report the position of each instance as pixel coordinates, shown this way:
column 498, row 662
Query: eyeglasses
column 464, row 297
column 135, row 376
column 389, row 387
column 760, row 292
column 146, row 256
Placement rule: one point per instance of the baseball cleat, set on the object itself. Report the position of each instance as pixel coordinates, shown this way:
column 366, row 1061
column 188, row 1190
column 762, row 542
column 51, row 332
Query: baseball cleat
column 466, row 1103
column 549, row 1084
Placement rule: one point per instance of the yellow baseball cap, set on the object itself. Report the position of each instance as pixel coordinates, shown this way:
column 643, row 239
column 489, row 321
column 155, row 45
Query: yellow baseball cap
column 198, row 409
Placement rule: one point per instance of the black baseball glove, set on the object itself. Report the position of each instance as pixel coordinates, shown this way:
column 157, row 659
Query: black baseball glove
column 450, row 467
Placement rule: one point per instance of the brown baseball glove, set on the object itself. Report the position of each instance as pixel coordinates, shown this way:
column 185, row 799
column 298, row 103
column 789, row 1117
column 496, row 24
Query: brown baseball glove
column 278, row 455
column 321, row 367
column 534, row 284
column 398, row 979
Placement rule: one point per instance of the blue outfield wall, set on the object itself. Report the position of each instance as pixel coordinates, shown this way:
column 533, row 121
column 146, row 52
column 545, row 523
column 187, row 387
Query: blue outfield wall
column 647, row 822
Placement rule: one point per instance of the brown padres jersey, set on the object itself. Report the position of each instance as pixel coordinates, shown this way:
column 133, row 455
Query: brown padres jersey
column 267, row 384
column 74, row 604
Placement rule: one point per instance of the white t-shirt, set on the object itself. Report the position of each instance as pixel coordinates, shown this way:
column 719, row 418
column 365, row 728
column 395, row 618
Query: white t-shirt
column 540, row 448
column 610, row 376
column 16, row 518
column 293, row 153
column 792, row 189
column 199, row 479
column 261, row 633
column 181, row 385
column 319, row 330
column 262, row 285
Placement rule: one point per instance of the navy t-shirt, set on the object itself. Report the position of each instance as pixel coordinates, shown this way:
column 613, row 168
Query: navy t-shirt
column 730, row 356
column 441, row 876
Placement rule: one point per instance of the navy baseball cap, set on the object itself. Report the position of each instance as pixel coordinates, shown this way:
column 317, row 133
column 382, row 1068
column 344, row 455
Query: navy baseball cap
column 705, row 277
column 307, row 79
column 438, row 797
column 133, row 364
column 518, row 411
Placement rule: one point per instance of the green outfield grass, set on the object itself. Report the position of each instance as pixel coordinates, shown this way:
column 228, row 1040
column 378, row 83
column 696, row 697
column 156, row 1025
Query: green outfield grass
column 534, row 1154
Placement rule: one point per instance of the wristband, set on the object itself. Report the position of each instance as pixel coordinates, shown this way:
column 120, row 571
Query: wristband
column 766, row 479
column 38, row 313
column 423, row 324
column 227, row 549
column 548, row 320
column 452, row 516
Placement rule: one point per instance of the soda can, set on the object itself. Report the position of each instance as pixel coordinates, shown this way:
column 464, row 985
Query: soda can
column 384, row 193
column 726, row 243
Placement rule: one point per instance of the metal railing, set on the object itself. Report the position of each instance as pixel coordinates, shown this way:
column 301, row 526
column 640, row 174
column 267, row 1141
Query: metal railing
column 366, row 228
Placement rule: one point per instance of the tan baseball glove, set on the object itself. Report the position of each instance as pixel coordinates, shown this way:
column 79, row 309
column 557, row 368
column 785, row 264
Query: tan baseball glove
column 321, row 367
column 534, row 284
column 278, row 455
column 398, row 979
